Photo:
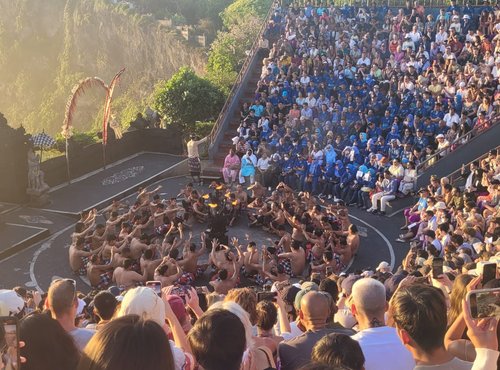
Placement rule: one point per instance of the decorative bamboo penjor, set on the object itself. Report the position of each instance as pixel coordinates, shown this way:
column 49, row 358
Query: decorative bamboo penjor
column 78, row 90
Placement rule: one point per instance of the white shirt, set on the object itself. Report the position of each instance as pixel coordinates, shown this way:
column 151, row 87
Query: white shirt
column 311, row 101
column 451, row 118
column 192, row 148
column 485, row 359
column 365, row 61
column 304, row 80
column 263, row 164
column 294, row 331
column 383, row 349
column 415, row 36
column 441, row 37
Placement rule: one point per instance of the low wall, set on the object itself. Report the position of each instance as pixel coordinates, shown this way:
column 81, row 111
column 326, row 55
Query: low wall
column 90, row 158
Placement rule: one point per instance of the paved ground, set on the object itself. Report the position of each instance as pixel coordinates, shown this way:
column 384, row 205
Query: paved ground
column 37, row 266
column 106, row 184
column 13, row 234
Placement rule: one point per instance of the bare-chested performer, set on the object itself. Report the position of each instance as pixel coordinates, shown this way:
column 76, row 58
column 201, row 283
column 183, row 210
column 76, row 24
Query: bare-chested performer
column 168, row 272
column 78, row 256
column 126, row 278
column 225, row 282
column 297, row 257
column 149, row 264
column 353, row 240
column 99, row 274
column 190, row 255
column 250, row 258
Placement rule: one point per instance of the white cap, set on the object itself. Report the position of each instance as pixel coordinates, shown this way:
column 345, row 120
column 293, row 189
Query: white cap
column 440, row 136
column 384, row 267
column 11, row 302
column 81, row 306
column 144, row 302
column 440, row 205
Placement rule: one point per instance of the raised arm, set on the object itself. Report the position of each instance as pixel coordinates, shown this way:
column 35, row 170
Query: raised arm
column 84, row 232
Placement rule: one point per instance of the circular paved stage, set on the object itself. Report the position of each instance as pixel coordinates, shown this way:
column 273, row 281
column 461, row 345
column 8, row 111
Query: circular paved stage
column 37, row 266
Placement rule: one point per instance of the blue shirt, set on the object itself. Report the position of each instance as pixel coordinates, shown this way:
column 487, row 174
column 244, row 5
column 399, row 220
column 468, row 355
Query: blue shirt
column 259, row 109
column 301, row 166
column 422, row 204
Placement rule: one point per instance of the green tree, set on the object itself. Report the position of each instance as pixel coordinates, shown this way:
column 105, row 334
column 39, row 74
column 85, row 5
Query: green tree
column 240, row 10
column 229, row 51
column 187, row 98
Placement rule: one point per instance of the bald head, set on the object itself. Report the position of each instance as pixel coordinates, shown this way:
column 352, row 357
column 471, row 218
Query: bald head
column 315, row 308
column 368, row 295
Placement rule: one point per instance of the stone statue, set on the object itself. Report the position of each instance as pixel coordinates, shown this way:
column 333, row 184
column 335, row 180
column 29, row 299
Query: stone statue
column 37, row 188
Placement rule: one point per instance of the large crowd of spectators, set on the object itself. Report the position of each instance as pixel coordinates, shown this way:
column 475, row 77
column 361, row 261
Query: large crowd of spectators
column 347, row 94
column 288, row 305
column 291, row 304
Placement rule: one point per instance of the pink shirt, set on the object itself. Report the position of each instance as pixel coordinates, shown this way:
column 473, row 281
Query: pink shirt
column 231, row 161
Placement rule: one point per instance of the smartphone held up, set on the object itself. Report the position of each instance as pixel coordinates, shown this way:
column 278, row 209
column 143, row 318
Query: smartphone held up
column 155, row 285
column 9, row 344
column 484, row 303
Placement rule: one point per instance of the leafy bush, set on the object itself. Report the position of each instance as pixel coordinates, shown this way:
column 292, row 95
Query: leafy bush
column 228, row 52
column 187, row 98
column 240, row 10
column 242, row 19
column 80, row 138
column 202, row 129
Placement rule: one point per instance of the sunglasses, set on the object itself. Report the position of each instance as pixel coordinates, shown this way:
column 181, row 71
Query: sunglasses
column 71, row 281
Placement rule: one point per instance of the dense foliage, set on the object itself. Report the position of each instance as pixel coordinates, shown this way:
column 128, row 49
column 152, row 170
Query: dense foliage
column 187, row 98
column 242, row 20
column 239, row 10
column 48, row 46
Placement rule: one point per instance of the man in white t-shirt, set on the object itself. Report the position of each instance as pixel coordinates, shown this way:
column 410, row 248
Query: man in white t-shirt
column 380, row 344
column 451, row 117
column 262, row 167
column 415, row 35
column 364, row 60
column 419, row 312
column 63, row 304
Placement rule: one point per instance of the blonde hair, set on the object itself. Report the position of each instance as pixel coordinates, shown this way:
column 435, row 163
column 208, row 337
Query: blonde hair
column 213, row 298
column 246, row 298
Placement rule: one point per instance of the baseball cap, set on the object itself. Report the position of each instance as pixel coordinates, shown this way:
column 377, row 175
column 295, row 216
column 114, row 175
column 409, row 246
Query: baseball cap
column 177, row 305
column 392, row 284
column 348, row 282
column 440, row 205
column 383, row 266
column 305, row 288
column 144, row 302
column 11, row 303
